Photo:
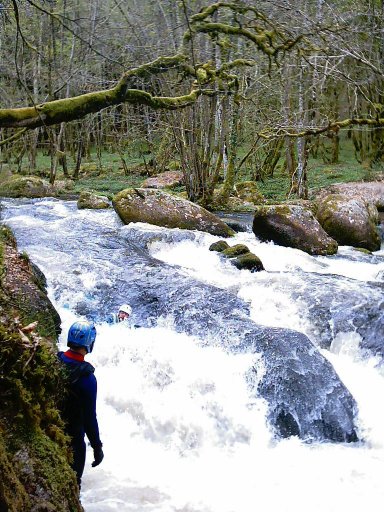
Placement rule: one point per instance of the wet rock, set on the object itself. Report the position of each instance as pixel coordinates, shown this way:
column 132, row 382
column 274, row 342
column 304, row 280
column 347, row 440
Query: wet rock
column 304, row 394
column 292, row 226
column 350, row 221
column 235, row 250
column 248, row 261
column 25, row 284
column 239, row 254
column 34, row 468
column 219, row 246
column 162, row 209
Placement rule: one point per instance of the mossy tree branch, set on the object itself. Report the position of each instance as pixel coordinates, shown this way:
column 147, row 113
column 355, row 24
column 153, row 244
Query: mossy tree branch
column 69, row 109
column 251, row 25
column 267, row 37
column 332, row 127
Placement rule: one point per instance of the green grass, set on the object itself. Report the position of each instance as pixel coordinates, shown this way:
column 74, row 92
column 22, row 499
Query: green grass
column 108, row 178
column 320, row 174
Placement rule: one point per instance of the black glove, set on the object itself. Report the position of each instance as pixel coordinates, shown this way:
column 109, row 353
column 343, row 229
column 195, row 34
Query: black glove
column 98, row 455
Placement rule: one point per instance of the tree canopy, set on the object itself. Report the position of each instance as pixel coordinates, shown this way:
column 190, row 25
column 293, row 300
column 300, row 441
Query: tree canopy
column 290, row 71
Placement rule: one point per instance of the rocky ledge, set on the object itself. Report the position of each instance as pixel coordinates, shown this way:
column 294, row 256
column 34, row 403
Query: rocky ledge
column 34, row 455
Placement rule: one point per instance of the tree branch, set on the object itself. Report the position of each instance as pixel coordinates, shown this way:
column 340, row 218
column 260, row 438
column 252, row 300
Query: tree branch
column 331, row 127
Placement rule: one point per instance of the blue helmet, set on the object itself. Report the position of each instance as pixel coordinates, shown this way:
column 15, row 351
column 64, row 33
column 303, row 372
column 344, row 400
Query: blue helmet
column 82, row 334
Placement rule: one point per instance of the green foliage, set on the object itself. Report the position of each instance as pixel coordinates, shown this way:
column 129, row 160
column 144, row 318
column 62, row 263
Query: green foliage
column 30, row 380
column 6, row 236
column 106, row 176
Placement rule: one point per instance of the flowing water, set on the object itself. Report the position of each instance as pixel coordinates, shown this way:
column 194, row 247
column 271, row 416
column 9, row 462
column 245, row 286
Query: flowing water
column 181, row 430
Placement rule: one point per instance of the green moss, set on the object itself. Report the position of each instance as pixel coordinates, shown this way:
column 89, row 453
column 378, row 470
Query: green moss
column 362, row 250
column 235, row 250
column 248, row 261
column 219, row 246
column 13, row 496
column 50, row 465
column 34, row 453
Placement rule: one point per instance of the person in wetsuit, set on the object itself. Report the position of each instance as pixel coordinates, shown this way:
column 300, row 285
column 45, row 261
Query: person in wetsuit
column 125, row 311
column 79, row 408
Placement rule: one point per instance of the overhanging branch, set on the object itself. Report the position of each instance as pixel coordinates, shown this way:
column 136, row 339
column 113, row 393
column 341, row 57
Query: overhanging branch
column 332, row 127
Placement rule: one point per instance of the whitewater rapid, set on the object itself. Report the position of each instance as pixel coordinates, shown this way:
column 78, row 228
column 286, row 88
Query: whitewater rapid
column 180, row 430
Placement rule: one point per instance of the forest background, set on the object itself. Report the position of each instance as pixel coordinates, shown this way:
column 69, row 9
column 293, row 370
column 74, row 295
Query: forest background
column 287, row 94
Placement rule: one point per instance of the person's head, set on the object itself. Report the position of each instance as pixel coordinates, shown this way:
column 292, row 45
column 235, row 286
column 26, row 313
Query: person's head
column 82, row 335
column 124, row 313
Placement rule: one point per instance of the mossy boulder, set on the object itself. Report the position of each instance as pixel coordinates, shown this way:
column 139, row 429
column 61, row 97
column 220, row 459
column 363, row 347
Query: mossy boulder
column 88, row 200
column 239, row 255
column 292, row 226
column 248, row 261
column 235, row 250
column 26, row 186
column 162, row 209
column 219, row 246
column 370, row 191
column 350, row 220
column 249, row 191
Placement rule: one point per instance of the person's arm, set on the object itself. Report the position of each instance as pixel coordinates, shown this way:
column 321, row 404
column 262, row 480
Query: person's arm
column 112, row 318
column 91, row 427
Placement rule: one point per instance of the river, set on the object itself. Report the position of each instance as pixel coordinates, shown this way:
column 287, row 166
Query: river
column 180, row 428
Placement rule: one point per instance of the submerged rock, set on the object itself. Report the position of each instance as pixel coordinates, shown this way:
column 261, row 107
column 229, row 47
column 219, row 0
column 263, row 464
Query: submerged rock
column 248, row 261
column 219, row 246
column 162, row 209
column 292, row 226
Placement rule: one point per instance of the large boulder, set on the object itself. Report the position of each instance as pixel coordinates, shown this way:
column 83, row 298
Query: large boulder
column 371, row 191
column 162, row 209
column 292, row 226
column 26, row 186
column 92, row 201
column 350, row 221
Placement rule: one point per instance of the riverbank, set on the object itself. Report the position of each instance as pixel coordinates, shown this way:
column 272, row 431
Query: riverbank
column 34, row 455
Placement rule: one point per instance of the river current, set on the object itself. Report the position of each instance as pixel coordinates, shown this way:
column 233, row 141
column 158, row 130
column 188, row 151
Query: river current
column 181, row 431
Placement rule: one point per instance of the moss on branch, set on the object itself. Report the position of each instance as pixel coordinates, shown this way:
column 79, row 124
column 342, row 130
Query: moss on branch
column 69, row 109
column 262, row 33
column 331, row 127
